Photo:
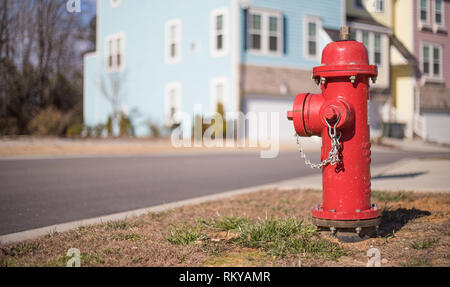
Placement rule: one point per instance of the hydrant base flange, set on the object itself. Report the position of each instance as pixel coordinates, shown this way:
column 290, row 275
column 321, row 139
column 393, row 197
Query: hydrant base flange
column 347, row 224
column 319, row 212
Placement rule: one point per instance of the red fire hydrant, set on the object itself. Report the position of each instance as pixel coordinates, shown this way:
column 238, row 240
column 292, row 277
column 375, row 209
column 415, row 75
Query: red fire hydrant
column 339, row 116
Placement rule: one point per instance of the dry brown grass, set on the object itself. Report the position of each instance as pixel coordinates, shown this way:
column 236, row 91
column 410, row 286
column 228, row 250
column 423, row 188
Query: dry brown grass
column 143, row 241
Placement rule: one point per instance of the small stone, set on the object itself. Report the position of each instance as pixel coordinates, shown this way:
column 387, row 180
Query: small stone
column 384, row 261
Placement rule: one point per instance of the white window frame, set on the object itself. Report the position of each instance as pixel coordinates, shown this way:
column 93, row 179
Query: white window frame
column 213, row 91
column 431, row 77
column 215, row 52
column 427, row 22
column 379, row 3
column 265, row 32
column 306, row 20
column 172, row 86
column 437, row 26
column 176, row 41
column 114, row 3
column 115, row 52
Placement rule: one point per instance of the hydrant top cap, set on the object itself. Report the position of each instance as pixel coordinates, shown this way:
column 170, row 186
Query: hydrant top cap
column 345, row 53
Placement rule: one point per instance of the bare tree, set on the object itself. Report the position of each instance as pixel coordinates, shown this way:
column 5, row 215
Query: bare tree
column 111, row 87
column 40, row 62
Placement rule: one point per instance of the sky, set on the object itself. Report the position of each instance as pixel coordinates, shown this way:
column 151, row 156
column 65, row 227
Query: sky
column 88, row 9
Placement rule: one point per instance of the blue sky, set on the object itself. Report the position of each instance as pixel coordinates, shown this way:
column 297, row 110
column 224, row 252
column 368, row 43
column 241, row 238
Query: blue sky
column 88, row 9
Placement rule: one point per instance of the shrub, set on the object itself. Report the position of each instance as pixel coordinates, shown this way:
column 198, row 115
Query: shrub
column 49, row 121
column 199, row 125
column 125, row 126
column 75, row 130
column 98, row 130
column 154, row 130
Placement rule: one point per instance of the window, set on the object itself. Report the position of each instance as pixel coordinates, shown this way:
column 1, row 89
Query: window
column 274, row 34
column 218, row 93
column 436, row 62
column 173, row 103
column 114, row 52
column 265, row 32
column 353, row 34
column 377, row 49
column 432, row 61
column 379, row 6
column 219, row 35
column 255, row 32
column 365, row 39
column 374, row 45
column 311, row 37
column 173, row 41
column 439, row 13
column 424, row 11
column 426, row 60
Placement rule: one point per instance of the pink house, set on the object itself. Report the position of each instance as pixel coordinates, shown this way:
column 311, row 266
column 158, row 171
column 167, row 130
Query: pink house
column 431, row 49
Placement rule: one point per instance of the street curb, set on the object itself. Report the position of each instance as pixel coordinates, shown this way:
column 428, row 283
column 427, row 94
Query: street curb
column 47, row 230
column 306, row 182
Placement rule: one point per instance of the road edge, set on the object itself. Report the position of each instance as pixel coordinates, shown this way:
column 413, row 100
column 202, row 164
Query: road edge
column 62, row 227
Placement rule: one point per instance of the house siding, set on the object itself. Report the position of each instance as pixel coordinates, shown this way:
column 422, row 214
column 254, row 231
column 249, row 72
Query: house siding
column 145, row 73
column 434, row 96
column 266, row 80
column 330, row 14
column 384, row 18
column 441, row 38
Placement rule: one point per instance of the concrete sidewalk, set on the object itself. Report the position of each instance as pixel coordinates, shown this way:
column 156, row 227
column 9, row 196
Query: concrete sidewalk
column 414, row 145
column 418, row 175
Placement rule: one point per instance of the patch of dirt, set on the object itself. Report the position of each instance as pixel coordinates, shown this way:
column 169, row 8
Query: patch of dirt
column 415, row 232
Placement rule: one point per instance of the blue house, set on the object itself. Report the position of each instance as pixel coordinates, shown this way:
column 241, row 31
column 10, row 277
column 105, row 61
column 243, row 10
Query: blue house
column 156, row 58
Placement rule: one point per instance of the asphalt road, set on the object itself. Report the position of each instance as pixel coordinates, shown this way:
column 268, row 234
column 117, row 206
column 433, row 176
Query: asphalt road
column 40, row 192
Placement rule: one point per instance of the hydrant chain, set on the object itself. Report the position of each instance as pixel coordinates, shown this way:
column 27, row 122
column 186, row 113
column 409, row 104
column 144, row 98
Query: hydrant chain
column 333, row 155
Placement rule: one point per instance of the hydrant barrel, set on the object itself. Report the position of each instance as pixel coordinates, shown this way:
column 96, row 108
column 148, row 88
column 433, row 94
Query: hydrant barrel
column 343, row 76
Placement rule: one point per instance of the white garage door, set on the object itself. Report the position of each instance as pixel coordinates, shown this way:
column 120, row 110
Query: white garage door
column 271, row 104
